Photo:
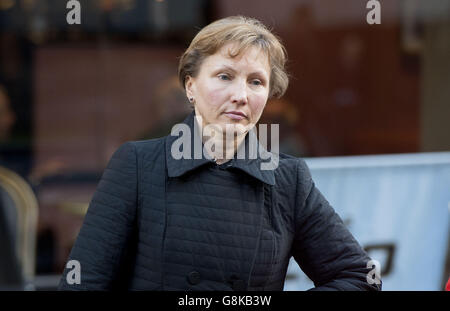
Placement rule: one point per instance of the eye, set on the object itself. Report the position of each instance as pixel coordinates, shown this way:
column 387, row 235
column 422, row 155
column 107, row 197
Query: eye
column 224, row 77
column 256, row 82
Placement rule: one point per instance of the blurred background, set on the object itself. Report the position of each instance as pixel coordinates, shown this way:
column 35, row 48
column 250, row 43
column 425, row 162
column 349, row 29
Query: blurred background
column 361, row 97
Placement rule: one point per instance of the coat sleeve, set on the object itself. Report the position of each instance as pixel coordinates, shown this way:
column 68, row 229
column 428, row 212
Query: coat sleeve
column 100, row 246
column 323, row 247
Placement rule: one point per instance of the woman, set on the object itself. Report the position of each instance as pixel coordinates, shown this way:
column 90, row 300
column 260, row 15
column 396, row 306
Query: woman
column 171, row 218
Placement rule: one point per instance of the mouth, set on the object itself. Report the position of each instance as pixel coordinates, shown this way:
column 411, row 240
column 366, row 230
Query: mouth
column 236, row 115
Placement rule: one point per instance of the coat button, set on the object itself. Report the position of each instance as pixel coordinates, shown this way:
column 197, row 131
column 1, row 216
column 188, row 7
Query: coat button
column 194, row 278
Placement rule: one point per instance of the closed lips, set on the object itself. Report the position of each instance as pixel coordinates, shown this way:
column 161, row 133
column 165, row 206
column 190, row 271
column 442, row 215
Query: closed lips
column 238, row 113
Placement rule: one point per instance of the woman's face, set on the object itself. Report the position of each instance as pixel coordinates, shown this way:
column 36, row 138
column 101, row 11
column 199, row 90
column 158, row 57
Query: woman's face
column 231, row 90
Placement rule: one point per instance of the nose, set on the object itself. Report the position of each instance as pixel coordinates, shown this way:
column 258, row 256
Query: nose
column 239, row 95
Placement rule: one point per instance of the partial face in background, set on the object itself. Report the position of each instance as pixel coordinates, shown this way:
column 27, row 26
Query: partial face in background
column 231, row 90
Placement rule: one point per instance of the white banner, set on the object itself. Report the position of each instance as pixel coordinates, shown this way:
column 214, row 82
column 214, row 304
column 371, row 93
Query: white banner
column 397, row 207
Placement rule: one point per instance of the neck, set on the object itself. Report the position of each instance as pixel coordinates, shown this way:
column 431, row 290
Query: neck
column 229, row 145
column 220, row 144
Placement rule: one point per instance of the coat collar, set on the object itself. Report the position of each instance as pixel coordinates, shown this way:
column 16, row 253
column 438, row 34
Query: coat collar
column 178, row 167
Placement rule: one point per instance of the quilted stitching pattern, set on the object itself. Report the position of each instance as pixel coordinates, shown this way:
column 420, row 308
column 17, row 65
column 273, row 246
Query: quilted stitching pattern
column 146, row 230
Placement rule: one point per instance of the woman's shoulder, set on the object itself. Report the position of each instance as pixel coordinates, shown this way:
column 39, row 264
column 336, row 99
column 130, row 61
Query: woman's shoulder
column 148, row 145
column 291, row 170
column 291, row 163
column 148, row 150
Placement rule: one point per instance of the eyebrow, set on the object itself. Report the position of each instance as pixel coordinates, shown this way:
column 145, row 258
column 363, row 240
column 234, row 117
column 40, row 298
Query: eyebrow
column 259, row 72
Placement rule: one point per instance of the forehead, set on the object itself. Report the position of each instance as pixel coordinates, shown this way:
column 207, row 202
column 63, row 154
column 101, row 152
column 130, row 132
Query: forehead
column 250, row 58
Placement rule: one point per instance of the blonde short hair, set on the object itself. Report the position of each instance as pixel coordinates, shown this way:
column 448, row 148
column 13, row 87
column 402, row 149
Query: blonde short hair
column 245, row 32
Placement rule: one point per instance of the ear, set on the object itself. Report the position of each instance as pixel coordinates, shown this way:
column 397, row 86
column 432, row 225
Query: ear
column 189, row 86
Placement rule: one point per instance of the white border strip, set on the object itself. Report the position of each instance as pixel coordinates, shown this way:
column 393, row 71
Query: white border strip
column 385, row 160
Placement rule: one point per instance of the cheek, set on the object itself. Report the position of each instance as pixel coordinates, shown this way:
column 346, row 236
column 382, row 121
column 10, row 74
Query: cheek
column 214, row 97
column 257, row 106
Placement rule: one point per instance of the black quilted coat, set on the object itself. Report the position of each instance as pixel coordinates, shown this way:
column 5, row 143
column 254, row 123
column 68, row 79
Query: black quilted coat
column 157, row 223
